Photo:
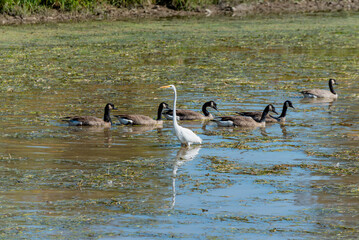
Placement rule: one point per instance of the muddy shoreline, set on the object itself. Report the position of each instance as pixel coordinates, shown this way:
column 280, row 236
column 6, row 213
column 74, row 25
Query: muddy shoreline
column 155, row 11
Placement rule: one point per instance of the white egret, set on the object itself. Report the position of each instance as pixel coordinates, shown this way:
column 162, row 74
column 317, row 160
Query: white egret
column 185, row 135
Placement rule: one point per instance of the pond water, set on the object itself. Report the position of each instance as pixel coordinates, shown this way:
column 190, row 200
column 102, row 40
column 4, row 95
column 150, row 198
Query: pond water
column 295, row 181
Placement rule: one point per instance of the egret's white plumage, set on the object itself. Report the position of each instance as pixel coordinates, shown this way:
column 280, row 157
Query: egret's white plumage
column 185, row 135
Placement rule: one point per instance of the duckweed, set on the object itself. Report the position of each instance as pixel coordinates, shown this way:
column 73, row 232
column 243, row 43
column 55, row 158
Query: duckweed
column 298, row 180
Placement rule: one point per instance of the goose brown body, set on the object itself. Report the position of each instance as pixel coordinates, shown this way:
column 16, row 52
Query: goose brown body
column 91, row 120
column 137, row 119
column 243, row 121
column 269, row 118
column 184, row 114
column 320, row 93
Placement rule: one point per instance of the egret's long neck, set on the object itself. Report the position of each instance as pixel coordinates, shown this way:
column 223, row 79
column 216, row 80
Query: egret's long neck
column 284, row 111
column 174, row 108
column 331, row 87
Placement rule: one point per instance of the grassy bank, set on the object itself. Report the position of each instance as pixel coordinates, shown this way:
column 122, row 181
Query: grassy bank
column 32, row 6
column 35, row 11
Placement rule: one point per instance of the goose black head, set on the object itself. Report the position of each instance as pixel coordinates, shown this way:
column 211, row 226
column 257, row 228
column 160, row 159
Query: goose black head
column 164, row 105
column 213, row 105
column 289, row 104
column 110, row 106
column 272, row 108
column 333, row 81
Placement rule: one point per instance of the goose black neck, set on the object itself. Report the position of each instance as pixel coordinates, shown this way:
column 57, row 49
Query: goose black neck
column 204, row 109
column 331, row 87
column 159, row 112
column 264, row 114
column 106, row 116
column 284, row 111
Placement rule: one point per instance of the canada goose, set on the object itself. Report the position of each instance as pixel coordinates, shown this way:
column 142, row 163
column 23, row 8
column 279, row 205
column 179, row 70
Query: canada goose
column 269, row 118
column 92, row 121
column 319, row 93
column 136, row 119
column 242, row 121
column 183, row 114
column 185, row 135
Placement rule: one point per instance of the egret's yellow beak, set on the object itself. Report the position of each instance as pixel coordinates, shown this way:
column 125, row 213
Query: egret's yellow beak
column 168, row 86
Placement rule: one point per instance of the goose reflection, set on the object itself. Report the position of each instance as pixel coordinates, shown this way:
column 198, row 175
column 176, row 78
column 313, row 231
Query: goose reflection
column 86, row 129
column 208, row 123
column 95, row 131
column 139, row 129
column 107, row 137
column 263, row 131
column 318, row 101
column 185, row 154
column 284, row 130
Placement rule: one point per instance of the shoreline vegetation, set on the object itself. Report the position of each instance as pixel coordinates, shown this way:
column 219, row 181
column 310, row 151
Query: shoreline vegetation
column 41, row 11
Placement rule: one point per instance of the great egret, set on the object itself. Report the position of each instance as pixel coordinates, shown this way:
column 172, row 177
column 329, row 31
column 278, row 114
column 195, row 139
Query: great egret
column 320, row 93
column 92, row 121
column 185, row 135
column 137, row 119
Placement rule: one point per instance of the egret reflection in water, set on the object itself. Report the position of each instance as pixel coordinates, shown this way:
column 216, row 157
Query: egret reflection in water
column 184, row 154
